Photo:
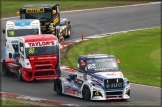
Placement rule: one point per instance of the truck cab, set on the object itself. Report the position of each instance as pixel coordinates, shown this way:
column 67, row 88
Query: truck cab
column 98, row 78
column 18, row 28
column 49, row 16
column 38, row 59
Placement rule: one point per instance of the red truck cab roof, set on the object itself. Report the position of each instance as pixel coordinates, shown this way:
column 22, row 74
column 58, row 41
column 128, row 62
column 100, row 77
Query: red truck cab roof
column 33, row 38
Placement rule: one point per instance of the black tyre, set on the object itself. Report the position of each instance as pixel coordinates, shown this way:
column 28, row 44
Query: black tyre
column 19, row 74
column 86, row 93
column 4, row 69
column 58, row 71
column 69, row 31
column 58, row 87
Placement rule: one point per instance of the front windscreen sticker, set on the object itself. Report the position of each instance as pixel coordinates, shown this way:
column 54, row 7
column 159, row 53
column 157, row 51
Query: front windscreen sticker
column 11, row 33
column 31, row 50
column 91, row 66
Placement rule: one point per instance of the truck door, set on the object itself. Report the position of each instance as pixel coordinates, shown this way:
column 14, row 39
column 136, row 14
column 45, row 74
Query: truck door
column 82, row 73
column 22, row 54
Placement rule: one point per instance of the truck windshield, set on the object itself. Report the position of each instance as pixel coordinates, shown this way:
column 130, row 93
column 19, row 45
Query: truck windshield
column 102, row 64
column 46, row 50
column 41, row 16
column 21, row 32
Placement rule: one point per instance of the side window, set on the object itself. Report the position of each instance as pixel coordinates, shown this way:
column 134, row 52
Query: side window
column 21, row 45
column 82, row 64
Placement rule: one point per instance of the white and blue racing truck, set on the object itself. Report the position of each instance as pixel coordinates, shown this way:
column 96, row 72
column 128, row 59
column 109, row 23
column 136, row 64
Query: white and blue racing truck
column 15, row 29
column 98, row 78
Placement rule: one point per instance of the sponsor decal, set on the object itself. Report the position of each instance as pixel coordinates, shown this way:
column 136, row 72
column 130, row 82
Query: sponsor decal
column 43, row 43
column 44, row 65
column 80, row 77
column 47, row 57
column 70, row 91
column 99, row 81
column 14, row 41
column 116, row 85
column 22, row 57
column 34, row 10
column 113, row 98
column 112, row 74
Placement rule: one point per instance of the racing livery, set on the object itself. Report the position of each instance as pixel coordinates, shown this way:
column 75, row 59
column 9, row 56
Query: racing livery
column 17, row 28
column 98, row 78
column 49, row 16
column 38, row 58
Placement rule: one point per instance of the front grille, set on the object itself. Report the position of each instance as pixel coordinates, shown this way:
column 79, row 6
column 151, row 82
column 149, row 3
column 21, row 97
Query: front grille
column 114, row 93
column 113, row 83
column 44, row 73
column 30, row 74
column 43, row 67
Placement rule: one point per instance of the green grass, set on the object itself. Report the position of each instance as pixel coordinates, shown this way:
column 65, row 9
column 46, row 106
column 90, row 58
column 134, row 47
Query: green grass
column 139, row 53
column 10, row 7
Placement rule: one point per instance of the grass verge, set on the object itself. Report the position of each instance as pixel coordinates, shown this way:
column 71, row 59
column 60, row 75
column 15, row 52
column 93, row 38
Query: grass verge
column 9, row 7
column 138, row 51
column 14, row 102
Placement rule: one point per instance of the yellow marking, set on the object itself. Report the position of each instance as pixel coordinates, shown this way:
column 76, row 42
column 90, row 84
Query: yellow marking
column 34, row 10
column 56, row 20
column 31, row 51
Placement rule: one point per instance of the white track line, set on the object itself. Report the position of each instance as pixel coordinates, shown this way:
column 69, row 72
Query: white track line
column 95, row 9
column 145, row 85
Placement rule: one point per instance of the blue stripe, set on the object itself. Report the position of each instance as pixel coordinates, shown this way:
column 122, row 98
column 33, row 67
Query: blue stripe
column 4, row 52
column 22, row 22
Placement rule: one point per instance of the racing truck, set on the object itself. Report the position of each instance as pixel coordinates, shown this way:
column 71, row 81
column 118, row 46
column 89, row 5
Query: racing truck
column 98, row 78
column 49, row 16
column 38, row 58
column 15, row 29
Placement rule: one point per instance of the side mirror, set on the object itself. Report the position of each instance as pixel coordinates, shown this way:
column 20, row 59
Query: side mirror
column 54, row 12
column 83, row 63
column 21, row 49
column 10, row 55
column 3, row 31
column 118, row 61
column 18, row 13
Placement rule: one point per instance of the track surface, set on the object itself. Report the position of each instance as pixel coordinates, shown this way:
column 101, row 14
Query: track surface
column 94, row 22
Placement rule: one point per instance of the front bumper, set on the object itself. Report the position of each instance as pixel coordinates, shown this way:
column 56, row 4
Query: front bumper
column 46, row 74
column 112, row 95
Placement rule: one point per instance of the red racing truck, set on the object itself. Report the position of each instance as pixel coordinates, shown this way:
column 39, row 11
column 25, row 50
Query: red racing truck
column 38, row 58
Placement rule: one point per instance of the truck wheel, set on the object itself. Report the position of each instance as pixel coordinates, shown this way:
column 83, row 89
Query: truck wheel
column 86, row 93
column 58, row 87
column 58, row 71
column 4, row 69
column 19, row 75
column 69, row 31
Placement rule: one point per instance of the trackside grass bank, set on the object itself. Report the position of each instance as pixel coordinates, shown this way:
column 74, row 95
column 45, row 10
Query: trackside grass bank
column 10, row 7
column 139, row 53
